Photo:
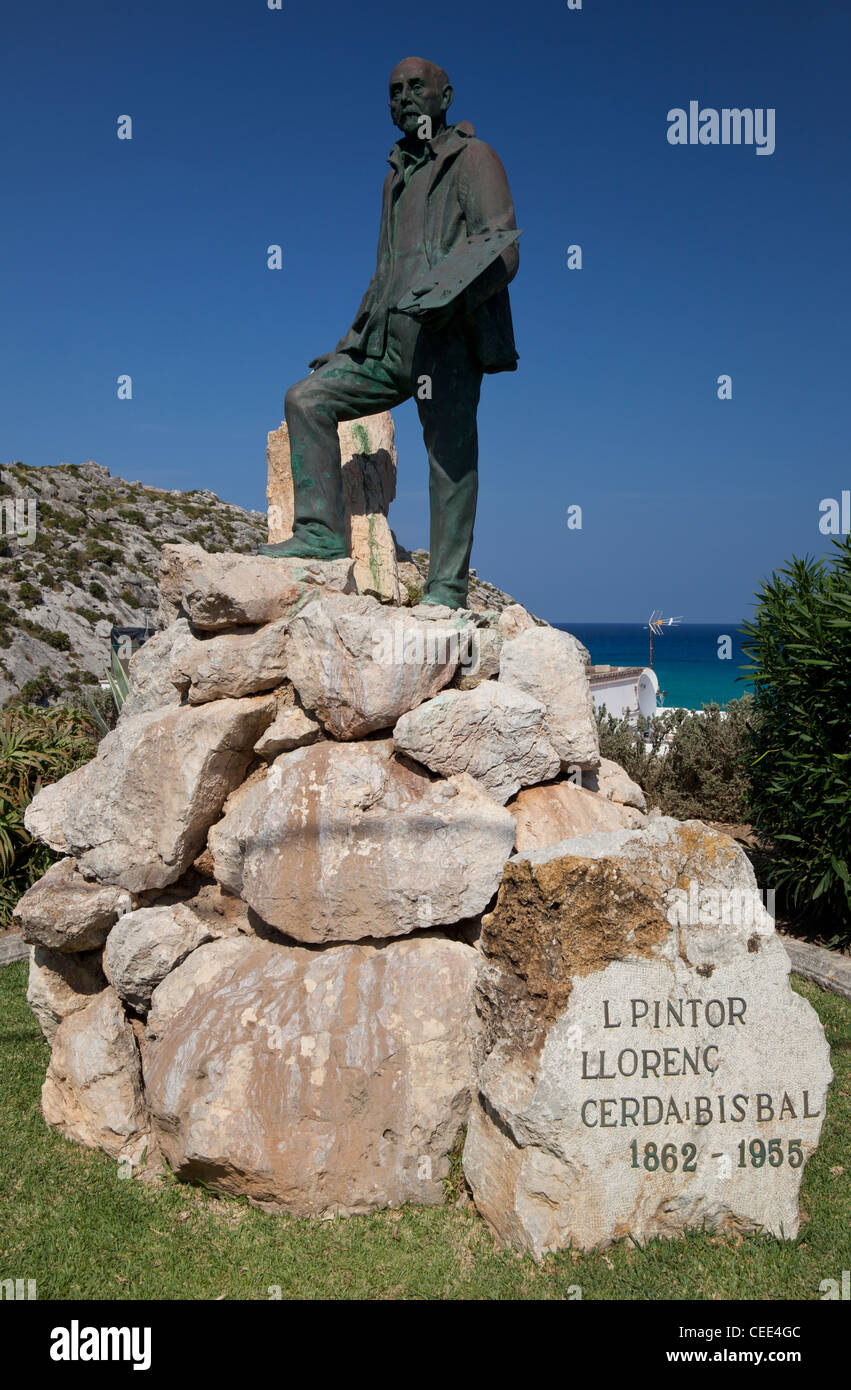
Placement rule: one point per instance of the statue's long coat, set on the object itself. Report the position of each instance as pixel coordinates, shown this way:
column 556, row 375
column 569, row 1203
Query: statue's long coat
column 468, row 194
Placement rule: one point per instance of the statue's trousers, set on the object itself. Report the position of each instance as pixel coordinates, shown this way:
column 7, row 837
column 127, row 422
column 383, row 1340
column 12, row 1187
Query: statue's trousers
column 439, row 372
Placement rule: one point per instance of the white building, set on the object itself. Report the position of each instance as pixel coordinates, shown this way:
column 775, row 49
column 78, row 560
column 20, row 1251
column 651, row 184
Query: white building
column 616, row 687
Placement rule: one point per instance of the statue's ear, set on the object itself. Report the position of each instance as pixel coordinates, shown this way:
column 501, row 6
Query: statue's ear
column 446, row 99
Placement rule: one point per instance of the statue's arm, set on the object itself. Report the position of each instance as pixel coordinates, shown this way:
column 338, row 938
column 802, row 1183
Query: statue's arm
column 488, row 207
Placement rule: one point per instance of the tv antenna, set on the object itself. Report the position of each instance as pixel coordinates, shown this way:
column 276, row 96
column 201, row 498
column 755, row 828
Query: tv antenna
column 657, row 625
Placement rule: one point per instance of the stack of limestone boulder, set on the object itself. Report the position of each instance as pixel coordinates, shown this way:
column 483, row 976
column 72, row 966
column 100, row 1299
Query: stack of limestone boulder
column 261, row 960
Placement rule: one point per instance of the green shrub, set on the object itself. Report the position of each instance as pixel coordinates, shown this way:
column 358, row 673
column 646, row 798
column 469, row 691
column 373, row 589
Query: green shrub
column 29, row 594
column 694, row 765
column 7, row 614
column 39, row 691
column 36, row 747
column 74, row 679
column 97, row 590
column 51, row 635
column 798, row 645
column 704, row 774
column 101, row 554
column 96, row 703
column 9, row 619
column 621, row 740
column 103, row 531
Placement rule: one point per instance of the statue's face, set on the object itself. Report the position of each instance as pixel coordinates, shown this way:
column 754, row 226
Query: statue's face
column 417, row 89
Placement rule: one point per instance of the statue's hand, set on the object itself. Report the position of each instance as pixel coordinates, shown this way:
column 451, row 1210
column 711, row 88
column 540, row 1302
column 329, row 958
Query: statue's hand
column 320, row 361
column 436, row 320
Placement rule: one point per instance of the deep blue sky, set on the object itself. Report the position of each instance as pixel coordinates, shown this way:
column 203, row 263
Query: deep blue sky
column 254, row 126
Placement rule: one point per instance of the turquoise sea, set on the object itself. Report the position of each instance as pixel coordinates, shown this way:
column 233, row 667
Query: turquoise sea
column 686, row 658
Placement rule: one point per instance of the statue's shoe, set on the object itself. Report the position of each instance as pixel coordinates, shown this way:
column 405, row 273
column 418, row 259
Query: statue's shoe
column 442, row 598
column 307, row 548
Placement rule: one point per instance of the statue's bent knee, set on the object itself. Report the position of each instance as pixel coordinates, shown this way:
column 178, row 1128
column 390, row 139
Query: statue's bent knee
column 297, row 397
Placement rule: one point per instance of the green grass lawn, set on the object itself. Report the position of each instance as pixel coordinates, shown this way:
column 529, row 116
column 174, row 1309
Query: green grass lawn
column 68, row 1221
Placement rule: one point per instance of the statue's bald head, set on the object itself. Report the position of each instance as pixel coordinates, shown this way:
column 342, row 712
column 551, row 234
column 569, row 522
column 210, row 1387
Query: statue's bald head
column 418, row 89
column 422, row 66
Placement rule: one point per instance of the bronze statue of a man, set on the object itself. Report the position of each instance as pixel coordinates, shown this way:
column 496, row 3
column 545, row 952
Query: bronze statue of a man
column 446, row 204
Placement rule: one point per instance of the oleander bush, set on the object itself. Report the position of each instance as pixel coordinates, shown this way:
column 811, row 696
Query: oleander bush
column 800, row 748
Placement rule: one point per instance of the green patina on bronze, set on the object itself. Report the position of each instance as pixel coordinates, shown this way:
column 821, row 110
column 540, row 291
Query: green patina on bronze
column 446, row 196
column 301, row 477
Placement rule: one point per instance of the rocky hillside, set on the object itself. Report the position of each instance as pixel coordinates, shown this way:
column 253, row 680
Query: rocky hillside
column 93, row 560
